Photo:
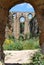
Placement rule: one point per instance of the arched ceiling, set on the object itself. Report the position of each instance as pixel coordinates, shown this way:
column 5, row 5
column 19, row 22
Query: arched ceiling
column 7, row 4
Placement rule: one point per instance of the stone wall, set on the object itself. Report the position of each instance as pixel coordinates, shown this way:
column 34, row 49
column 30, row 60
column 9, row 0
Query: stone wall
column 16, row 23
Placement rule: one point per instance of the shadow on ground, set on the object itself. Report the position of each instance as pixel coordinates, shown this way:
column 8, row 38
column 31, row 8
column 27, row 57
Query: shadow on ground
column 12, row 64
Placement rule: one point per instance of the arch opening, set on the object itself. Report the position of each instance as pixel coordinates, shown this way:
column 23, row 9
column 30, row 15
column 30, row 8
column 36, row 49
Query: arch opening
column 23, row 22
column 23, row 30
column 39, row 7
column 30, row 16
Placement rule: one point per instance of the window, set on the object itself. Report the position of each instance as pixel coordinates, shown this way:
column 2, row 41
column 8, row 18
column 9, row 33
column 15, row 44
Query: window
column 30, row 16
column 22, row 19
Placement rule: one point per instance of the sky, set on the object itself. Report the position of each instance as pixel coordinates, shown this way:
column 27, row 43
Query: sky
column 24, row 7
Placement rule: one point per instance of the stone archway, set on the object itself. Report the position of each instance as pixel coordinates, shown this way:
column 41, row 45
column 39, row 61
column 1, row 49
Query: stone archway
column 5, row 5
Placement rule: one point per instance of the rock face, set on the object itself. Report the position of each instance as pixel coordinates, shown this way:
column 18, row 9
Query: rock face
column 5, row 5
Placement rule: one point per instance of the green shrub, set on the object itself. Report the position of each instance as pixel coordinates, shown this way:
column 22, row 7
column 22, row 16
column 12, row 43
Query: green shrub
column 11, row 44
column 38, row 59
column 21, row 37
column 18, row 45
column 31, row 44
column 8, row 44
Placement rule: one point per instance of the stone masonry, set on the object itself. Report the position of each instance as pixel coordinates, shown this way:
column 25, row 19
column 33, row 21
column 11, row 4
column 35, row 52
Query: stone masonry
column 16, row 24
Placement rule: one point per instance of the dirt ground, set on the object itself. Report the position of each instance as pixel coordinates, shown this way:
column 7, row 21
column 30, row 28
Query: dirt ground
column 19, row 57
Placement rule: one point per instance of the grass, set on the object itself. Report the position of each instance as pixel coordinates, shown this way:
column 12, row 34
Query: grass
column 31, row 44
column 11, row 44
